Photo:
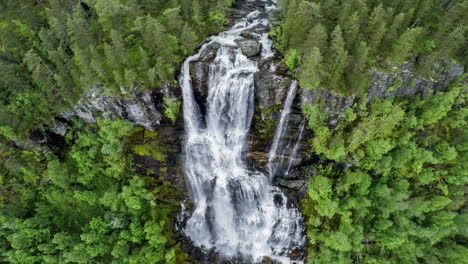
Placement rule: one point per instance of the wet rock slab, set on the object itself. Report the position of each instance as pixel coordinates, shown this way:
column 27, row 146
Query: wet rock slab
column 250, row 47
column 142, row 108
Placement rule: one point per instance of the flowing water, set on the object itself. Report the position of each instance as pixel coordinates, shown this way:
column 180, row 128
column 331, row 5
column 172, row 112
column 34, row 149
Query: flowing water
column 292, row 157
column 275, row 162
column 237, row 211
column 282, row 154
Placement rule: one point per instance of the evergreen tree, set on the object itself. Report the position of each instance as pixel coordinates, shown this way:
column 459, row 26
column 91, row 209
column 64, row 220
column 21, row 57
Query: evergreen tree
column 172, row 21
column 394, row 29
column 197, row 16
column 317, row 37
column 376, row 28
column 357, row 74
column 310, row 72
column 188, row 39
column 290, row 19
column 78, row 28
column 339, row 59
column 351, row 29
column 306, row 15
column 403, row 46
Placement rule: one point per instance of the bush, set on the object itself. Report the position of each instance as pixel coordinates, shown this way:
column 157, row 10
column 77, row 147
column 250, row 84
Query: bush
column 291, row 59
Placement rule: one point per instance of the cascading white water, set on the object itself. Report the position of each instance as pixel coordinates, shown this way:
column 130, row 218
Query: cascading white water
column 296, row 147
column 280, row 129
column 237, row 211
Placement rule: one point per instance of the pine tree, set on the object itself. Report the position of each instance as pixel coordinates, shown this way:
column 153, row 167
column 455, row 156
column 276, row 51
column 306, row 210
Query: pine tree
column 307, row 15
column 290, row 18
column 376, row 28
column 403, row 46
column 172, row 20
column 394, row 29
column 197, row 16
column 154, row 36
column 338, row 59
column 351, row 29
column 310, row 71
column 78, row 28
column 317, row 37
column 344, row 13
column 41, row 73
column 118, row 46
column 357, row 75
column 188, row 39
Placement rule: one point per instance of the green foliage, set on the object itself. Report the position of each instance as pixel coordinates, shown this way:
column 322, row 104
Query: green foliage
column 310, row 72
column 150, row 147
column 217, row 20
column 356, row 37
column 172, row 108
column 338, row 52
column 291, row 59
column 404, row 45
column 402, row 199
column 82, row 202
column 54, row 51
column 88, row 206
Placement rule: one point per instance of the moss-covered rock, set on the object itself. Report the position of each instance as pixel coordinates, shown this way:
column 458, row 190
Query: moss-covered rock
column 158, row 153
column 150, row 145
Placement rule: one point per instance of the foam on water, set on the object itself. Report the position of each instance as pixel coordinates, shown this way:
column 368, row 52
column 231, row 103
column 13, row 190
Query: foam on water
column 237, row 211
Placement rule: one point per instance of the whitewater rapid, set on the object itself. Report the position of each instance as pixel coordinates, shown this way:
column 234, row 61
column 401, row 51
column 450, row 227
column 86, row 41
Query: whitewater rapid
column 237, row 211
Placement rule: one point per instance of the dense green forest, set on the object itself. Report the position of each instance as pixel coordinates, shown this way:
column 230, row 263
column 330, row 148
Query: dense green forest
column 401, row 198
column 392, row 182
column 53, row 51
column 81, row 201
column 335, row 43
column 86, row 205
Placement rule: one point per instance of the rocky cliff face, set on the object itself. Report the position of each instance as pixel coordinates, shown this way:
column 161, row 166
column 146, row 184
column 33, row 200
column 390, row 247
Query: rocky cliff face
column 142, row 108
column 403, row 83
column 406, row 83
column 156, row 143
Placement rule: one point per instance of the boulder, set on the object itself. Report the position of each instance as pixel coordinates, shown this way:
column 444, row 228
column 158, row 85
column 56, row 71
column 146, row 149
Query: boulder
column 199, row 75
column 199, row 70
column 209, row 53
column 59, row 128
column 291, row 184
column 250, row 35
column 334, row 102
column 261, row 29
column 38, row 136
column 267, row 260
column 271, row 88
column 250, row 47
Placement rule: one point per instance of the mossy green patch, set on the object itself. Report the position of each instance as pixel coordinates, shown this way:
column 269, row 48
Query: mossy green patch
column 397, row 82
column 172, row 108
column 149, row 150
column 266, row 126
column 148, row 143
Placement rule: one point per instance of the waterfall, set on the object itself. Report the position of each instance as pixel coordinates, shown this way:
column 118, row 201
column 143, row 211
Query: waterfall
column 273, row 159
column 296, row 147
column 237, row 211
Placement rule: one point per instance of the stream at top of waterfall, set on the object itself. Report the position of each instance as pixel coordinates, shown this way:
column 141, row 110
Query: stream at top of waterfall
column 237, row 212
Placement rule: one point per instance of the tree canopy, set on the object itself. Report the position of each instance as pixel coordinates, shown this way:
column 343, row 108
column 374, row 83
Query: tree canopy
column 358, row 37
